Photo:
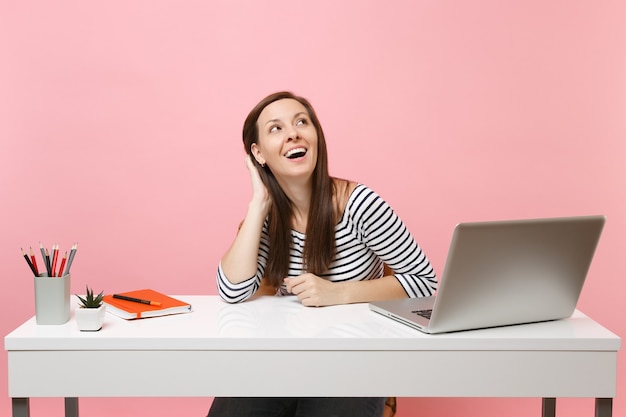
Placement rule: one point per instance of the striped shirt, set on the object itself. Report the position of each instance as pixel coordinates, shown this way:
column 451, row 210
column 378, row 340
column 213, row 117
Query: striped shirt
column 368, row 235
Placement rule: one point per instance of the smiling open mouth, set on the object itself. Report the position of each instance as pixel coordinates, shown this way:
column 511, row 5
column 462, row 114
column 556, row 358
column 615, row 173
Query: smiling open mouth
column 296, row 153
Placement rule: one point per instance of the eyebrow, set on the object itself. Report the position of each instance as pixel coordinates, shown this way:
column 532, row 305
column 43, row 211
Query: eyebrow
column 294, row 116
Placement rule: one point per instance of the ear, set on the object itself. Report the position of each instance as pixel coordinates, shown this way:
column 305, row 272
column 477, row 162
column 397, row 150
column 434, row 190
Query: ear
column 256, row 153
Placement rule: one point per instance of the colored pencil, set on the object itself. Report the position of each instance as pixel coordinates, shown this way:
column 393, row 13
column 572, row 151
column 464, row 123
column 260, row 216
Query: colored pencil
column 71, row 258
column 34, row 260
column 43, row 255
column 62, row 264
column 55, row 255
column 48, row 264
column 28, row 261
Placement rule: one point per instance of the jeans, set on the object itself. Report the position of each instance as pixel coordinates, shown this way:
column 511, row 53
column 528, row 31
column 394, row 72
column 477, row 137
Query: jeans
column 297, row 407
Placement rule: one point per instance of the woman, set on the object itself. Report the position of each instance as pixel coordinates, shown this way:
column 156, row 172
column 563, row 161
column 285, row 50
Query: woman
column 322, row 239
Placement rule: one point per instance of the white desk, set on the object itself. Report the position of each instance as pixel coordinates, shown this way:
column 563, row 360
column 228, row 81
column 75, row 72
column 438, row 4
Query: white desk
column 229, row 350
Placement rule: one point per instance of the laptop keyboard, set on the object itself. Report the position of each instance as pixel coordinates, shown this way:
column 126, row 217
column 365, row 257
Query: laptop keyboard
column 423, row 313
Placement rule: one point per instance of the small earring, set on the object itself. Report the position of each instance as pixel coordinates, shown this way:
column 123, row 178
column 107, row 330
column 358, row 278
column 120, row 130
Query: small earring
column 263, row 165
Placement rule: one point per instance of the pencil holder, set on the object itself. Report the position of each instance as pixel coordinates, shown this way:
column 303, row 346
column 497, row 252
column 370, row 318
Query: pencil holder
column 52, row 299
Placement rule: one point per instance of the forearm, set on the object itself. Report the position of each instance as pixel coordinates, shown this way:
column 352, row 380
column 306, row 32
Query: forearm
column 385, row 288
column 240, row 262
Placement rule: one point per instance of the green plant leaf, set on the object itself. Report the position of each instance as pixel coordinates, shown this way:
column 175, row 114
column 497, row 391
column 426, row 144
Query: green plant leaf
column 89, row 301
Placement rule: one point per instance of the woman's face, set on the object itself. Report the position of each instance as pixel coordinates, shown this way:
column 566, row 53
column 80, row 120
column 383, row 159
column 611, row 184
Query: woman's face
column 287, row 140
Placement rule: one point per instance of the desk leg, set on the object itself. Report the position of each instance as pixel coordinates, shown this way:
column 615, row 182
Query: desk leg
column 548, row 407
column 21, row 407
column 71, row 407
column 604, row 407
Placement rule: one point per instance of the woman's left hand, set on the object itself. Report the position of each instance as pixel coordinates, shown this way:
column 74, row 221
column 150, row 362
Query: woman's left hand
column 313, row 291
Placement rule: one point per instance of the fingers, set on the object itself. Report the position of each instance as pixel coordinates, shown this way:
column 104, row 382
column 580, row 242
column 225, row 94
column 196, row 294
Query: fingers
column 259, row 191
column 304, row 287
column 297, row 287
column 250, row 165
column 290, row 283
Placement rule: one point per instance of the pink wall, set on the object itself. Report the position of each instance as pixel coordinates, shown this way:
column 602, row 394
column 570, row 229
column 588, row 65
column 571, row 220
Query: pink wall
column 120, row 129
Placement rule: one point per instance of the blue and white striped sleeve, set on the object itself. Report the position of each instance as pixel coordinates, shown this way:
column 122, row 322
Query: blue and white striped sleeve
column 387, row 236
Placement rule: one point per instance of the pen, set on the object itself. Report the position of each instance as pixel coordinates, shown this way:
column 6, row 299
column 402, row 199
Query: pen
column 34, row 260
column 30, row 264
column 137, row 300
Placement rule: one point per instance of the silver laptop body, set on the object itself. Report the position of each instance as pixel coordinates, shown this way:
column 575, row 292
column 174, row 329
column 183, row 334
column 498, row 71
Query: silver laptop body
column 505, row 272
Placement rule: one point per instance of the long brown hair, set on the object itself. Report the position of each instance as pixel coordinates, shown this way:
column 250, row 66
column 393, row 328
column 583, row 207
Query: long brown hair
column 319, row 249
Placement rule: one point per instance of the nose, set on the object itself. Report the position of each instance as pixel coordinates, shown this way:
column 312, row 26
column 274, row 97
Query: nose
column 292, row 133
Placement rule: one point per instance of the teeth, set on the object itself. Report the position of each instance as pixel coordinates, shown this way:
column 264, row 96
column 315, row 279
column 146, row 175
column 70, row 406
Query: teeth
column 295, row 151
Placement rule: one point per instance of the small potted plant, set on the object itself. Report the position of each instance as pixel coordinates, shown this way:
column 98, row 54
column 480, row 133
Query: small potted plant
column 90, row 314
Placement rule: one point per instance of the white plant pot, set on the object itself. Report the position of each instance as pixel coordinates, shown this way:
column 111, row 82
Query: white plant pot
column 90, row 319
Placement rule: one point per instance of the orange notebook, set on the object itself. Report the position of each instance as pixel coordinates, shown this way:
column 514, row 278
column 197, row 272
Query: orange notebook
column 136, row 310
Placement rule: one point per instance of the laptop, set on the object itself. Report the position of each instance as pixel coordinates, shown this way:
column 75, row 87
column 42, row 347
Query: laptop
column 504, row 273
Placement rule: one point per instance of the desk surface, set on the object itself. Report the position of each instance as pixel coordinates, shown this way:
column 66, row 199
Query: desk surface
column 282, row 323
column 222, row 349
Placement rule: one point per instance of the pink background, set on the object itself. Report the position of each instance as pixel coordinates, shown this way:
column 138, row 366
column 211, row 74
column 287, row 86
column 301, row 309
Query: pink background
column 120, row 128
